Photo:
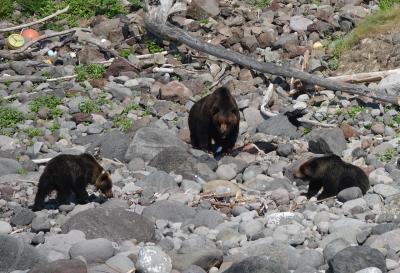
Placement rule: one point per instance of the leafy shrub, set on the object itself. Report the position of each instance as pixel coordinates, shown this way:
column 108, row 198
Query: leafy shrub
column 9, row 118
column 90, row 72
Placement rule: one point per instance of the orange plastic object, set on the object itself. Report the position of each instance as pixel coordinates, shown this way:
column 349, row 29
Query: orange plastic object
column 30, row 34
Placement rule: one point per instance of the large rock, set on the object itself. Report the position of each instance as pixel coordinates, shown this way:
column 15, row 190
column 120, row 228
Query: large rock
column 148, row 142
column 354, row 258
column 9, row 166
column 200, row 9
column 175, row 91
column 152, row 259
column 279, row 126
column 94, row 251
column 111, row 145
column 159, row 182
column 256, row 264
column 322, row 141
column 175, row 159
column 299, row 23
column 114, row 224
column 17, row 255
column 61, row 266
column 23, row 217
column 391, row 239
column 173, row 211
column 208, row 218
column 391, row 84
column 203, row 257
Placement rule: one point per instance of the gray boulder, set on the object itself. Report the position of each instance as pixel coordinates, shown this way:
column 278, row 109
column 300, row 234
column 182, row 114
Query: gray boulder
column 173, row 211
column 256, row 264
column 148, row 142
column 326, row 140
column 114, row 224
column 279, row 126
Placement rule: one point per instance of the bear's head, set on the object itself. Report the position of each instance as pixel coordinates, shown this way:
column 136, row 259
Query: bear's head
column 224, row 112
column 104, row 184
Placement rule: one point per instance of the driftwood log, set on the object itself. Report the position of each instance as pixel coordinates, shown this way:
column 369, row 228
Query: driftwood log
column 156, row 23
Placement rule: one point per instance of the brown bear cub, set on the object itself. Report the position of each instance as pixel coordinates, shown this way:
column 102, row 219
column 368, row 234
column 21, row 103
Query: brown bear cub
column 332, row 174
column 215, row 117
column 68, row 174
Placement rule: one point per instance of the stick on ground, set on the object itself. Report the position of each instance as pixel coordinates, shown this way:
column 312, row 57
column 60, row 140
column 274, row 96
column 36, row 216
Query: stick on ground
column 58, row 12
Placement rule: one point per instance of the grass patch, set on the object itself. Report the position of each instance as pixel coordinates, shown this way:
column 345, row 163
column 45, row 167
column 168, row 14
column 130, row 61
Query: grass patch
column 54, row 127
column 90, row 72
column 383, row 20
column 262, row 3
column 153, row 47
column 137, row 4
column 50, row 102
column 6, row 9
column 9, row 118
column 89, row 106
column 354, row 111
column 123, row 122
column 204, row 21
column 126, row 52
column 388, row 4
column 388, row 155
column 78, row 9
column 34, row 132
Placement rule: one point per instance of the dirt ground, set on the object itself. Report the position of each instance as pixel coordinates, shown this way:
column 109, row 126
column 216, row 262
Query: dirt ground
column 372, row 54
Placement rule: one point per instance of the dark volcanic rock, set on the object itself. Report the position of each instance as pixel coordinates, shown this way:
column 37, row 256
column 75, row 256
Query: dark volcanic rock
column 354, row 258
column 322, row 141
column 279, row 126
column 114, row 224
column 112, row 145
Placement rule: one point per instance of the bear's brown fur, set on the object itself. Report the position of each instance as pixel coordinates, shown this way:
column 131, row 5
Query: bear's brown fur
column 215, row 117
column 332, row 174
column 69, row 174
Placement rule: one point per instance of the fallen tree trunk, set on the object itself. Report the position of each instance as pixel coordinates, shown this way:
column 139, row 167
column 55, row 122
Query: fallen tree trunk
column 166, row 30
column 365, row 77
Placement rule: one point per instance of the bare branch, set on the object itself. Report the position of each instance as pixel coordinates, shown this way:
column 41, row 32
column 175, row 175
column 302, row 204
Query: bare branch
column 58, row 12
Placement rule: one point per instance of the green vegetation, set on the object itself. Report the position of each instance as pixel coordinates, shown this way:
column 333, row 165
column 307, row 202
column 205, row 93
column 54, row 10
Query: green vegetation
column 9, row 118
column 306, row 130
column 153, row 47
column 54, row 127
column 78, row 9
column 262, row 3
column 126, row 52
column 333, row 63
column 50, row 102
column 34, row 132
column 123, row 122
column 137, row 4
column 204, row 21
column 89, row 106
column 388, row 4
column 354, row 111
column 21, row 171
column 383, row 20
column 90, row 72
column 388, row 155
column 397, row 119
column 6, row 8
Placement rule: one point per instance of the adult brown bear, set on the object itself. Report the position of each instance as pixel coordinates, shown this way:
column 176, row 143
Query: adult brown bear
column 215, row 117
column 69, row 174
column 332, row 174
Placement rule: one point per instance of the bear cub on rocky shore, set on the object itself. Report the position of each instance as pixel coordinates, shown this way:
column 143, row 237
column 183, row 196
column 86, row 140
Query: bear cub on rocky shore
column 215, row 117
column 332, row 174
column 68, row 174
